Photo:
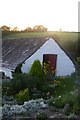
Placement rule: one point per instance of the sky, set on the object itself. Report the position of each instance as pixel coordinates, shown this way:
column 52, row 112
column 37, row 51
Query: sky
column 53, row 14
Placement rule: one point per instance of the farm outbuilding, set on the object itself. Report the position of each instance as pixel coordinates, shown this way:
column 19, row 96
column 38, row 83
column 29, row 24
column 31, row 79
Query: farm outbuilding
column 27, row 50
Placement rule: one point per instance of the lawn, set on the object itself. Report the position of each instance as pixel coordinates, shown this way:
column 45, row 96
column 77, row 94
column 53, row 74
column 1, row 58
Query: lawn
column 61, row 36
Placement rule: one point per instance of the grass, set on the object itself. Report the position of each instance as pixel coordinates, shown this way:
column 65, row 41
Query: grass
column 26, row 35
column 64, row 36
column 68, row 40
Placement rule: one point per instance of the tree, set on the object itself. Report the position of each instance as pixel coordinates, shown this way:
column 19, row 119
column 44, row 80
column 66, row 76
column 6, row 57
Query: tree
column 28, row 29
column 5, row 28
column 36, row 69
column 15, row 29
column 39, row 28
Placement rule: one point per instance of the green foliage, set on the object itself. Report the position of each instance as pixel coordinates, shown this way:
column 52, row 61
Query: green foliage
column 76, row 108
column 22, row 81
column 61, row 101
column 16, row 85
column 6, row 88
column 78, row 60
column 42, row 116
column 45, row 87
column 12, row 87
column 48, row 77
column 26, row 81
column 19, row 82
column 65, row 85
column 3, row 75
column 18, row 68
column 41, row 78
column 22, row 96
column 36, row 69
column 65, row 92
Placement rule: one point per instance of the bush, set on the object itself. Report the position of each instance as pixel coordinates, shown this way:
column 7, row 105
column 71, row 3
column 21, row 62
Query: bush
column 78, row 60
column 18, row 69
column 45, row 88
column 16, row 85
column 23, row 96
column 36, row 69
column 76, row 106
column 12, row 87
column 26, row 81
column 42, row 116
column 2, row 74
column 61, row 101
column 6, row 88
column 21, row 82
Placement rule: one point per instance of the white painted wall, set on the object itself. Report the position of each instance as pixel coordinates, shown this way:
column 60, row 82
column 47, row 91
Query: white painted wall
column 64, row 64
column 7, row 72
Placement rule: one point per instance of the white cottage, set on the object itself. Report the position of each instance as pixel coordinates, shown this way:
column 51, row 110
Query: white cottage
column 26, row 51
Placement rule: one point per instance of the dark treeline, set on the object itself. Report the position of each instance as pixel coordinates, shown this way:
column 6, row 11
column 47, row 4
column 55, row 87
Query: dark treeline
column 6, row 30
column 37, row 28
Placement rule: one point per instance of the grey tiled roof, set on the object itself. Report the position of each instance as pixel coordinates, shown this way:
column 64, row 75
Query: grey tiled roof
column 15, row 51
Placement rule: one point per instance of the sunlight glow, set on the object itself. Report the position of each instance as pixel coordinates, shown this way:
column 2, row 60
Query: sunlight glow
column 53, row 14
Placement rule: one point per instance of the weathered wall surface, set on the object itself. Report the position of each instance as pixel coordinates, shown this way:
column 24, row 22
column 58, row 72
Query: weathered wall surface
column 64, row 64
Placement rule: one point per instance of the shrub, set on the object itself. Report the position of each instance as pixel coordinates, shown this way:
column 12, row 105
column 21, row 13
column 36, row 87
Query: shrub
column 36, row 69
column 27, row 81
column 6, row 88
column 12, row 87
column 45, row 68
column 2, row 74
column 61, row 101
column 78, row 60
column 16, row 85
column 45, row 87
column 48, row 77
column 76, row 106
column 19, row 82
column 18, row 69
column 23, row 96
column 42, row 116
